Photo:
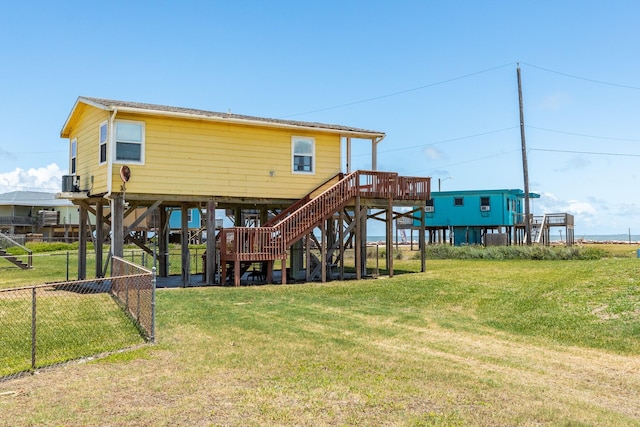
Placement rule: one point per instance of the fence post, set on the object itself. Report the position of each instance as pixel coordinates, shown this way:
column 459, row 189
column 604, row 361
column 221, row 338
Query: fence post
column 138, row 285
column 67, row 266
column 33, row 328
column 152, row 338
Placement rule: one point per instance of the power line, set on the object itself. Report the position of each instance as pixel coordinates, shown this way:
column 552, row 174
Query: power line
column 583, row 135
column 573, row 76
column 374, row 98
column 400, row 92
column 473, row 160
column 428, row 144
column 586, row 152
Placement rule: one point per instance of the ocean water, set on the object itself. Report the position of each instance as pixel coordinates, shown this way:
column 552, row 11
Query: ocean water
column 634, row 238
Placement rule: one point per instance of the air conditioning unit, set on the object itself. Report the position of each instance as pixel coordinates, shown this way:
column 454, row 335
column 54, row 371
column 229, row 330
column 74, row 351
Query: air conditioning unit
column 70, row 183
column 485, row 208
column 428, row 209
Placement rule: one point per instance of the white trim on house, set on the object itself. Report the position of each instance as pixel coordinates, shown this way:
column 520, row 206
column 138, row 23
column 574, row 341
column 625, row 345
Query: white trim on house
column 298, row 163
column 130, row 140
column 73, row 156
column 102, row 141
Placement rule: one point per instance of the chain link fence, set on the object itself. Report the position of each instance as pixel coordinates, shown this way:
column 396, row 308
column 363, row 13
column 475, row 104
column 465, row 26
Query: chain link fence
column 63, row 265
column 45, row 325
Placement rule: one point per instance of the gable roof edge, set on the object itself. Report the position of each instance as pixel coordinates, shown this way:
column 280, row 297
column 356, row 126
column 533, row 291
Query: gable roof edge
column 64, row 132
column 152, row 109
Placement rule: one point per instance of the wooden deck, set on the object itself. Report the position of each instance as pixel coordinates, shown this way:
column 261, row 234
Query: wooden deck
column 268, row 243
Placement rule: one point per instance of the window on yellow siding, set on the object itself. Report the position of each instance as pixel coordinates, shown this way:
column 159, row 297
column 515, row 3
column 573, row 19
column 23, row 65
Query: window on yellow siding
column 303, row 154
column 103, row 142
column 73, row 156
column 129, row 142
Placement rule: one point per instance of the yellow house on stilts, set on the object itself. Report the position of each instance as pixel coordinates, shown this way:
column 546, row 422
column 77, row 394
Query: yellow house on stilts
column 128, row 157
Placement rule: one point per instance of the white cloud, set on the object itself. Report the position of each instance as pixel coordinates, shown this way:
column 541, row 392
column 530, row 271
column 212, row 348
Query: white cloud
column 578, row 162
column 433, row 153
column 589, row 214
column 627, row 210
column 47, row 178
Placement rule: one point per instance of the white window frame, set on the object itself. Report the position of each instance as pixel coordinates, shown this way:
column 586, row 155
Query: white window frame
column 430, row 208
column 142, row 143
column 313, row 154
column 103, row 142
column 73, row 156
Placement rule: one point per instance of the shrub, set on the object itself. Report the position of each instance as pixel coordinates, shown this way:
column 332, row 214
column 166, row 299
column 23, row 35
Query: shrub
column 547, row 253
column 382, row 253
column 592, row 253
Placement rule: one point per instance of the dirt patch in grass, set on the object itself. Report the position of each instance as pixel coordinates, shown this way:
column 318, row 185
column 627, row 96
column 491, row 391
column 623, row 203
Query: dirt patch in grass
column 421, row 376
column 559, row 376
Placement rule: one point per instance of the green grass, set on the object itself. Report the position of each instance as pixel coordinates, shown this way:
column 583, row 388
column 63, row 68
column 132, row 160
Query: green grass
column 68, row 325
column 468, row 342
column 549, row 253
column 587, row 303
column 55, row 262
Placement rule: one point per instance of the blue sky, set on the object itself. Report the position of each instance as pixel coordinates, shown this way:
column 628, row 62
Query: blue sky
column 438, row 77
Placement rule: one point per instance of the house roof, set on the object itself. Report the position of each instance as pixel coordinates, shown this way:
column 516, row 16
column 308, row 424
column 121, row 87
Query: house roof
column 32, row 198
column 154, row 109
column 514, row 192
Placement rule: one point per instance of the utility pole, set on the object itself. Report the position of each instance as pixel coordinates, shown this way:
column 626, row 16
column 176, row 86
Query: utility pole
column 525, row 167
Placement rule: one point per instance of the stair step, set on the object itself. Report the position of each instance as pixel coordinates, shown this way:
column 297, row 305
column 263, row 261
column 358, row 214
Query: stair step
column 13, row 260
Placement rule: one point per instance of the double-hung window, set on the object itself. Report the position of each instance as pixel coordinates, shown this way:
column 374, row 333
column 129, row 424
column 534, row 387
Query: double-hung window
column 129, row 142
column 74, row 155
column 303, row 150
column 103, row 142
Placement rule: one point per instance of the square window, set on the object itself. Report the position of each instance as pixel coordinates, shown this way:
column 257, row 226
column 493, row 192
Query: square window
column 429, row 206
column 129, row 142
column 458, row 201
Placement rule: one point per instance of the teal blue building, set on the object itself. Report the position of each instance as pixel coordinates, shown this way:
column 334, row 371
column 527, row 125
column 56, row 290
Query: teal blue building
column 474, row 217
column 194, row 220
column 194, row 224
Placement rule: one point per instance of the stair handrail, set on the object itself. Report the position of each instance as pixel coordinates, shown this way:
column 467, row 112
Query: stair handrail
column 4, row 237
column 274, row 239
column 300, row 222
column 299, row 203
column 541, row 228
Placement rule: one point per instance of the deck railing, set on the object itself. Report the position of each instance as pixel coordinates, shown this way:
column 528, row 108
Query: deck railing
column 268, row 243
column 7, row 242
column 301, row 202
column 552, row 219
column 17, row 220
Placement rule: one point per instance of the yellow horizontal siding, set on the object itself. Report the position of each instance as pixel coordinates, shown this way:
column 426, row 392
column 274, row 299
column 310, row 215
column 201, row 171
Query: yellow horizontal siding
column 86, row 131
column 200, row 158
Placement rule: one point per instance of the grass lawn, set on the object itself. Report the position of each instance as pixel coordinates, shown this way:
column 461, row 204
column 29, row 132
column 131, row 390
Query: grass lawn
column 469, row 342
column 69, row 326
column 57, row 265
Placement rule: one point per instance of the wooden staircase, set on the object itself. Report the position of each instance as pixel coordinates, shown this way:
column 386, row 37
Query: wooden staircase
column 271, row 241
column 7, row 242
column 13, row 260
column 538, row 228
